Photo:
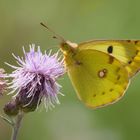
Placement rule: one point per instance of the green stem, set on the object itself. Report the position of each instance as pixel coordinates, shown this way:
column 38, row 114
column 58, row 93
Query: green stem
column 17, row 126
column 7, row 120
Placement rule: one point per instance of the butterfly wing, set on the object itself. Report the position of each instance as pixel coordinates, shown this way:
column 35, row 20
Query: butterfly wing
column 126, row 51
column 99, row 79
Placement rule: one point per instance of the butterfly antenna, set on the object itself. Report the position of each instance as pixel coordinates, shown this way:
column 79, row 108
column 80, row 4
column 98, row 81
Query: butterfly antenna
column 54, row 34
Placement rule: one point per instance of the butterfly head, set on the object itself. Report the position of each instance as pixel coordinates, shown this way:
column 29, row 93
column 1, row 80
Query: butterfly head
column 68, row 47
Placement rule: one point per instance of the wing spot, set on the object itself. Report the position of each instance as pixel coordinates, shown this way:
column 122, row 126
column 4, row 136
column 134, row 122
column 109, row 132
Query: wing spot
column 94, row 95
column 137, row 52
column 110, row 49
column 118, row 69
column 105, row 70
column 118, row 77
column 103, row 93
column 111, row 89
column 128, row 40
column 102, row 73
column 111, row 59
column 136, row 42
column 129, row 62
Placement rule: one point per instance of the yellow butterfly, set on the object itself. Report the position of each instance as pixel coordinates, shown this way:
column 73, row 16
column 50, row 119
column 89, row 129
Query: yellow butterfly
column 100, row 70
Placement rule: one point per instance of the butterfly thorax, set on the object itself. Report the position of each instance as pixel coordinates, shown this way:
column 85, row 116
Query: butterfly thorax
column 69, row 50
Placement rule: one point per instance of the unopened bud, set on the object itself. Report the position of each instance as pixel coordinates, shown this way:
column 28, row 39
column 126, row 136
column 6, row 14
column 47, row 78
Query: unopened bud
column 11, row 108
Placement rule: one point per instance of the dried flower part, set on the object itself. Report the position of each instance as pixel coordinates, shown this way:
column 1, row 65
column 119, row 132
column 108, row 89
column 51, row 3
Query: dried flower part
column 35, row 79
column 11, row 108
column 2, row 81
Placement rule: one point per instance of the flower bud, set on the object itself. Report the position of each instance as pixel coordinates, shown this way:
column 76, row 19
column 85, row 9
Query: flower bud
column 11, row 109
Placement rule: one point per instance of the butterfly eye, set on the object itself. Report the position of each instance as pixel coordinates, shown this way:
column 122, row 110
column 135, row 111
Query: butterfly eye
column 110, row 49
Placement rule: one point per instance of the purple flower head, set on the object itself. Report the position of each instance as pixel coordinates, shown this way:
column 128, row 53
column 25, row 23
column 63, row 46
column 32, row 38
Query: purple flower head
column 35, row 78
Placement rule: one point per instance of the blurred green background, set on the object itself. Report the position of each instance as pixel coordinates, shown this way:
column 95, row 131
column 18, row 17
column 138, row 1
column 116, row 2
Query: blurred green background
column 78, row 21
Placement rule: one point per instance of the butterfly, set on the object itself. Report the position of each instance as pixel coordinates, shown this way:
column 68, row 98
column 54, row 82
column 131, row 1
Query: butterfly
column 100, row 70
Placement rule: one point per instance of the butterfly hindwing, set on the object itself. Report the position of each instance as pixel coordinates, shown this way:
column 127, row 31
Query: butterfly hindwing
column 126, row 51
column 99, row 79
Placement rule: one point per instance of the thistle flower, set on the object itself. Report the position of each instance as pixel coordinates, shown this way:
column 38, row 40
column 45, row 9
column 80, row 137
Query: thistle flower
column 34, row 79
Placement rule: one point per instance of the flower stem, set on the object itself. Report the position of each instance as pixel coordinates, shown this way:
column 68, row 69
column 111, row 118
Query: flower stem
column 17, row 126
column 6, row 120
